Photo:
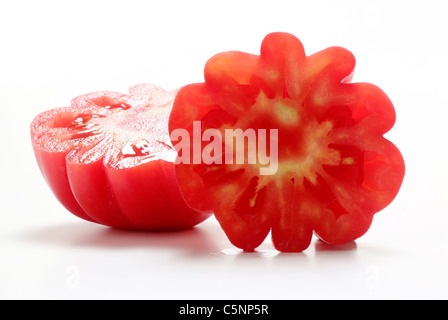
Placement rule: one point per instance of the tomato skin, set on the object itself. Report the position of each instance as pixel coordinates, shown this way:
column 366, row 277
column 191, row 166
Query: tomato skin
column 91, row 187
column 335, row 168
column 91, row 176
column 53, row 168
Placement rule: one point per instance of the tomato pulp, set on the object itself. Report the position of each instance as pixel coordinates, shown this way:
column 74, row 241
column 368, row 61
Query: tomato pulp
column 334, row 168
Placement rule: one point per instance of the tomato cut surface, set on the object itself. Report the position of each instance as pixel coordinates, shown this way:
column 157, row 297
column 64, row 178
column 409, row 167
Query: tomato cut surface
column 108, row 159
column 333, row 168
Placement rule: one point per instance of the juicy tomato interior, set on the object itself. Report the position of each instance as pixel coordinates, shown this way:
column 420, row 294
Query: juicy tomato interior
column 335, row 169
column 108, row 159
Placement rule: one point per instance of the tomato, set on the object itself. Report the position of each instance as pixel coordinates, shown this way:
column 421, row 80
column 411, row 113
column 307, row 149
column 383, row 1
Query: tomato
column 332, row 170
column 108, row 159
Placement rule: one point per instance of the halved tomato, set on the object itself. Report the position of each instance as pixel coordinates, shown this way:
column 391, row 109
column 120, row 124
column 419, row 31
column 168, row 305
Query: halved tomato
column 108, row 159
column 333, row 168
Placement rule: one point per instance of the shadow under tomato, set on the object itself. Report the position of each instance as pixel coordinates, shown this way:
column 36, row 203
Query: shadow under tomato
column 83, row 234
column 204, row 240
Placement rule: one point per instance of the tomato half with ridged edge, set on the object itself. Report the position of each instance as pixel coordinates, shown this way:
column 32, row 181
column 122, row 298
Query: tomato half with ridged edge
column 333, row 171
column 108, row 159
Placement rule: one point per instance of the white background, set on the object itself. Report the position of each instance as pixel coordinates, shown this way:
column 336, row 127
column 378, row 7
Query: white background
column 52, row 51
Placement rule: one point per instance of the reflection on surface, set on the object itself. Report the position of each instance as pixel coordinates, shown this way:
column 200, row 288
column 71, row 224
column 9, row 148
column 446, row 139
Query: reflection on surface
column 256, row 253
column 321, row 246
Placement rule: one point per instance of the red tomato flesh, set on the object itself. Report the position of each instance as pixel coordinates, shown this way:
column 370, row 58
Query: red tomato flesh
column 335, row 168
column 108, row 159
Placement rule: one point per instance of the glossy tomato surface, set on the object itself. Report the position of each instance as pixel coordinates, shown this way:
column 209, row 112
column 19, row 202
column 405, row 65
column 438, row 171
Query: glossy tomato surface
column 108, row 159
column 335, row 169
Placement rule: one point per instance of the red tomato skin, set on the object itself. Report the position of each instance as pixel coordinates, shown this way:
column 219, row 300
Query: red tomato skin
column 145, row 196
column 91, row 188
column 113, row 197
column 156, row 182
column 53, row 168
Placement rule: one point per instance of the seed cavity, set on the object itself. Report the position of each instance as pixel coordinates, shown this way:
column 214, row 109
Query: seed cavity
column 250, row 201
column 84, row 127
column 140, row 148
column 118, row 106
